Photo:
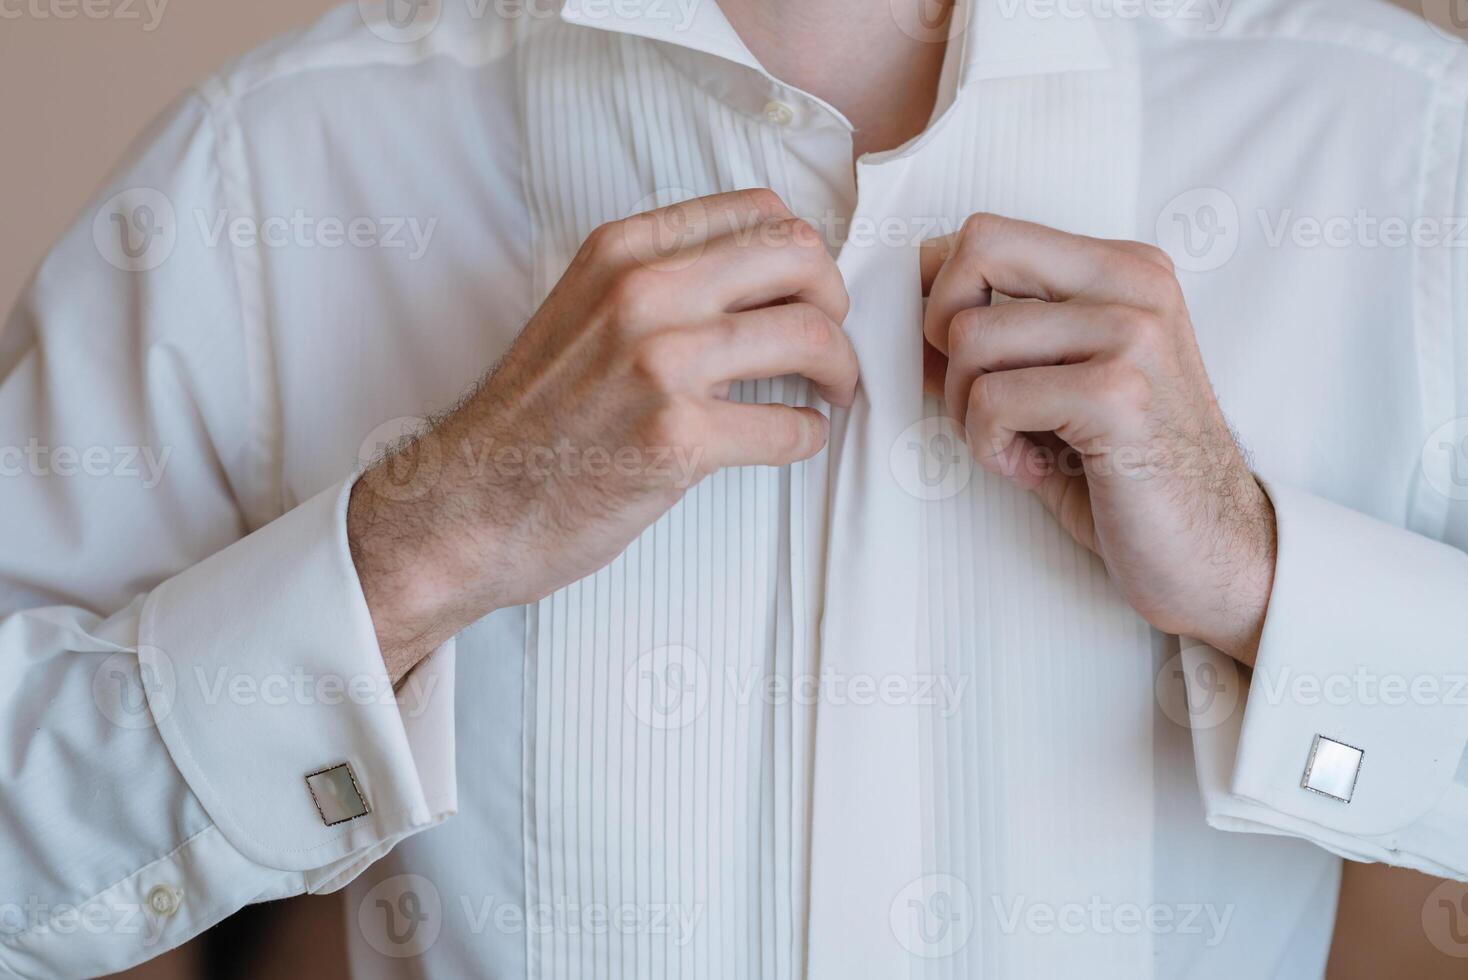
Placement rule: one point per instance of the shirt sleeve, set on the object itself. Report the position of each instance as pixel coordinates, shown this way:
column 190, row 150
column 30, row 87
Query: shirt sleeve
column 1350, row 730
column 194, row 712
column 1355, row 718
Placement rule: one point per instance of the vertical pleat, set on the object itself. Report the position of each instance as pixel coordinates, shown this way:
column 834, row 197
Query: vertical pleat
column 703, row 819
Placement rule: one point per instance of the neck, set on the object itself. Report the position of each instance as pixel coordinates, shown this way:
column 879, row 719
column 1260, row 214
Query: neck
column 878, row 61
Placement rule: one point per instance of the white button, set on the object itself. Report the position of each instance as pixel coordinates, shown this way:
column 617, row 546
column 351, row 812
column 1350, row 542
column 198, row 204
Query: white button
column 778, row 114
column 163, row 901
column 1332, row 768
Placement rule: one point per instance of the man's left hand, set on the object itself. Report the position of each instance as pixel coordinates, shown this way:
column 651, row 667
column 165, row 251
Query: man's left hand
column 1095, row 397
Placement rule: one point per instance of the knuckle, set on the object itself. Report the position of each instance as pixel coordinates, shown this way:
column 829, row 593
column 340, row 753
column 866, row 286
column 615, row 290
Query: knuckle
column 632, row 295
column 803, row 245
column 839, row 295
column 1122, row 385
column 762, row 200
column 1142, row 330
column 1157, row 256
column 724, row 331
column 791, row 434
column 982, row 235
column 983, row 397
column 1158, row 284
column 607, row 242
column 676, row 422
column 800, row 233
column 813, row 327
column 965, row 335
column 661, row 359
column 979, row 228
column 795, row 237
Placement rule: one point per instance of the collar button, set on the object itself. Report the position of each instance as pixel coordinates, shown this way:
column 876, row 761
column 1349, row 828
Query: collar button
column 778, row 113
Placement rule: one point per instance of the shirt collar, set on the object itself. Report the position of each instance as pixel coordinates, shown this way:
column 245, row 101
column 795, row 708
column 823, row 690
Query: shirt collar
column 996, row 38
column 695, row 25
column 1013, row 38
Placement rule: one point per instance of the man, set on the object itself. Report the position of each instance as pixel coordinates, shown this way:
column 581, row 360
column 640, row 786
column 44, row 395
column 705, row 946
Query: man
column 682, row 636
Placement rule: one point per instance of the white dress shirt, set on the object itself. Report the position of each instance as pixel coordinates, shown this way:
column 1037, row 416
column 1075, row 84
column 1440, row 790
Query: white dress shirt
column 874, row 715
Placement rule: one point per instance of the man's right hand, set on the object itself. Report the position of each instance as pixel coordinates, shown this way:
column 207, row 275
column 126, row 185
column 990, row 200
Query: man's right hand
column 609, row 405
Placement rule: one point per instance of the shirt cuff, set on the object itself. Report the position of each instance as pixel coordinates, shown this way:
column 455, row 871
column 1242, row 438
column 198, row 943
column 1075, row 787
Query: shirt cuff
column 261, row 667
column 1355, row 718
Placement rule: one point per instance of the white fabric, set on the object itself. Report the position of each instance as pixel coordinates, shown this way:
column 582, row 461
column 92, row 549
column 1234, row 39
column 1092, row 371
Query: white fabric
column 997, row 774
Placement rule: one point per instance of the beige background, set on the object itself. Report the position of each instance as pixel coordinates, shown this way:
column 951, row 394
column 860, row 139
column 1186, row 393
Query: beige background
column 77, row 91
column 74, row 94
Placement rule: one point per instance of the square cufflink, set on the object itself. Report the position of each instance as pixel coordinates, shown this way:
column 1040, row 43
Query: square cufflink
column 1332, row 769
column 338, row 798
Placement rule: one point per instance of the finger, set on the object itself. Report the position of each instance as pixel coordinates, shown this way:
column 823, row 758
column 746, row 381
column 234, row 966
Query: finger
column 936, row 251
column 935, row 369
column 775, row 260
column 1089, row 405
column 792, row 338
column 763, row 435
column 1142, row 250
column 931, row 256
column 942, row 305
column 1021, row 459
column 1030, row 261
column 1050, row 470
column 1021, row 335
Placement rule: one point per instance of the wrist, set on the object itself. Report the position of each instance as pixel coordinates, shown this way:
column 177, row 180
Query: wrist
column 1239, row 625
column 417, row 580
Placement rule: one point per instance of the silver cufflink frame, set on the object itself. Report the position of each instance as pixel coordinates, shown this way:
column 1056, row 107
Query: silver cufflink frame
column 334, row 774
column 1332, row 769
